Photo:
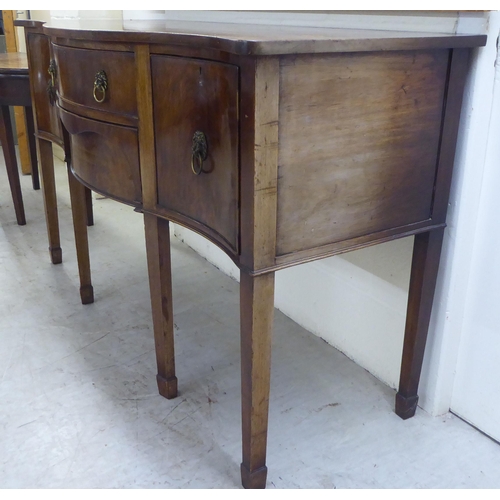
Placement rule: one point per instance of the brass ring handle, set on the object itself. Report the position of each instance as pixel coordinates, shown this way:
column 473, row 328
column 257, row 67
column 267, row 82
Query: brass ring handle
column 100, row 85
column 101, row 89
column 52, row 71
column 196, row 159
column 51, row 87
column 199, row 152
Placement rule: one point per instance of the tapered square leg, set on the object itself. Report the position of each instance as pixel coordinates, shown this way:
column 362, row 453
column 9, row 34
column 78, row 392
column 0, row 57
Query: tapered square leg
column 30, row 132
column 89, row 208
column 406, row 406
column 253, row 480
column 160, row 284
column 424, row 269
column 256, row 316
column 49, row 199
column 78, row 209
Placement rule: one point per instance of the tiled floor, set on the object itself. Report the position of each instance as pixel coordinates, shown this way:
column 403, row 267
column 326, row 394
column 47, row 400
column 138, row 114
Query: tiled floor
column 79, row 406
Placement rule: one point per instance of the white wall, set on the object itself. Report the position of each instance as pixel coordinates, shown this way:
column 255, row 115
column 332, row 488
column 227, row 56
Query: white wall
column 476, row 388
column 456, row 269
column 476, row 385
column 443, row 21
column 47, row 15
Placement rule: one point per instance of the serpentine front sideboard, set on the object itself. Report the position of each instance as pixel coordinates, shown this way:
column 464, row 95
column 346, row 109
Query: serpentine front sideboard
column 281, row 145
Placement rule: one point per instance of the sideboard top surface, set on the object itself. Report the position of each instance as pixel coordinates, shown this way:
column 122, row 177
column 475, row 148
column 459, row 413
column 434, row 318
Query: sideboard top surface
column 253, row 39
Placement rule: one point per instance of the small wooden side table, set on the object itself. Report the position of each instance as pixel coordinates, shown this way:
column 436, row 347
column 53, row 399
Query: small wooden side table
column 15, row 91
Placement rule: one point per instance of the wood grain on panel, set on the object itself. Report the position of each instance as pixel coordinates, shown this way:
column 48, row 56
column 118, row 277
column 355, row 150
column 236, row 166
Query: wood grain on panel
column 266, row 160
column 146, row 130
column 192, row 95
column 359, row 137
column 254, row 39
column 259, row 162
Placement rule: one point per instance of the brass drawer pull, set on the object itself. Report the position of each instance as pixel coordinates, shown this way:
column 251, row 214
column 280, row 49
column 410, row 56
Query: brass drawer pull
column 199, row 152
column 100, row 85
column 51, row 87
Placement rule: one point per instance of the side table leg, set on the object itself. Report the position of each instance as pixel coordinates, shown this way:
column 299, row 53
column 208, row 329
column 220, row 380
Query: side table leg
column 50, row 199
column 424, row 269
column 78, row 209
column 160, row 285
column 256, row 317
column 7, row 141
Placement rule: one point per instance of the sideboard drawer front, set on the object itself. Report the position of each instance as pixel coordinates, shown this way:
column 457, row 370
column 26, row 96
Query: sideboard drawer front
column 358, row 147
column 105, row 157
column 77, row 70
column 191, row 95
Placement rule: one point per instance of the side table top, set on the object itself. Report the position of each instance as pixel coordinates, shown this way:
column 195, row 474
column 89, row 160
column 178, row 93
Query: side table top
column 15, row 63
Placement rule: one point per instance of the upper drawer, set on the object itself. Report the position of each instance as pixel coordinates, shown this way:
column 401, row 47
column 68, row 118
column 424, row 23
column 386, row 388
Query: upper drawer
column 77, row 70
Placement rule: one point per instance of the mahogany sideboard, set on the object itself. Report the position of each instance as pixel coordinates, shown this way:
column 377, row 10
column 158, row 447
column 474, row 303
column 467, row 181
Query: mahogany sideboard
column 281, row 145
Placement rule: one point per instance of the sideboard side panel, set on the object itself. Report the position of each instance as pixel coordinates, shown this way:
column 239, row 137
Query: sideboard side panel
column 359, row 141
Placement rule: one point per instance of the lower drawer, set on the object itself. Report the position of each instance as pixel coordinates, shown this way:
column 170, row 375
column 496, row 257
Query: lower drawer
column 105, row 157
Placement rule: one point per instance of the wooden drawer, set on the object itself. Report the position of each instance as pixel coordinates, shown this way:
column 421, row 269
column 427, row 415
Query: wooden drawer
column 105, row 157
column 77, row 69
column 192, row 95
